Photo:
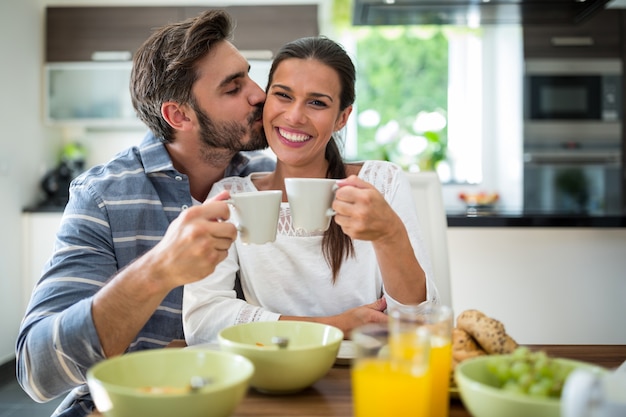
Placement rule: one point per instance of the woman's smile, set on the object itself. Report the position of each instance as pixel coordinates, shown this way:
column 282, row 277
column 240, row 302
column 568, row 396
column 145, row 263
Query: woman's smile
column 292, row 137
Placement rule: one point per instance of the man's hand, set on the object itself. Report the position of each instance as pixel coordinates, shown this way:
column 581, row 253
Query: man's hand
column 195, row 243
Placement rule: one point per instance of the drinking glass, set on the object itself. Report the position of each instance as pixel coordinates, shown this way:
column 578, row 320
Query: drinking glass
column 406, row 322
column 389, row 379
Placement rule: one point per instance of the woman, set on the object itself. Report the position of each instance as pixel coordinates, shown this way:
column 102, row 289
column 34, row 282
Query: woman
column 372, row 254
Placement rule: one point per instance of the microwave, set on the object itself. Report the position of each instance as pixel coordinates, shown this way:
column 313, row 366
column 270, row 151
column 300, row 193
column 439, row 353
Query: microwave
column 573, row 89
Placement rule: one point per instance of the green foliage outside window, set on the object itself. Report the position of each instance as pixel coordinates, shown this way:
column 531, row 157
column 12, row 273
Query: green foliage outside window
column 402, row 72
column 402, row 75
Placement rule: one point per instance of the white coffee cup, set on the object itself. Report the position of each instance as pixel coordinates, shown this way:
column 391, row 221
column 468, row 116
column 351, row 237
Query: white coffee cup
column 256, row 215
column 592, row 394
column 310, row 201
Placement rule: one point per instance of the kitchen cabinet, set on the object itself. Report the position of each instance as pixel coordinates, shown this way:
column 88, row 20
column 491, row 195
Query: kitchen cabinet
column 89, row 52
column 39, row 232
column 269, row 27
column 88, row 33
column 597, row 37
column 77, row 33
column 89, row 93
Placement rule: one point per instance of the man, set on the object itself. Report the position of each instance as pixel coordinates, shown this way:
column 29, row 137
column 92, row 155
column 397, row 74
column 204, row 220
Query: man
column 134, row 230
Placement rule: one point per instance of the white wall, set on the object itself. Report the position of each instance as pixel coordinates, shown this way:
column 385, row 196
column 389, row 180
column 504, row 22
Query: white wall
column 547, row 285
column 24, row 153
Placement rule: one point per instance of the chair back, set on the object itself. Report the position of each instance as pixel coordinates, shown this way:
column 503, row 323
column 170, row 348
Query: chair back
column 431, row 213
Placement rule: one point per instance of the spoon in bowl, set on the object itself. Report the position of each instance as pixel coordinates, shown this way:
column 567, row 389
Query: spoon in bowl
column 198, row 382
column 280, row 341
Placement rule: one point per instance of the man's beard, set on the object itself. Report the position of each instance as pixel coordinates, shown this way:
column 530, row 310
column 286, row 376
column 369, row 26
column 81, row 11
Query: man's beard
column 230, row 136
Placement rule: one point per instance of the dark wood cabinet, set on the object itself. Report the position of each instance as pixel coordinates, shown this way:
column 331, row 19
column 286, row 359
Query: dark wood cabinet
column 76, row 33
column 269, row 27
column 597, row 37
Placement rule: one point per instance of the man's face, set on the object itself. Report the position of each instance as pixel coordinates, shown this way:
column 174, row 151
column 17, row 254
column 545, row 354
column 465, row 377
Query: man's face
column 231, row 135
column 227, row 103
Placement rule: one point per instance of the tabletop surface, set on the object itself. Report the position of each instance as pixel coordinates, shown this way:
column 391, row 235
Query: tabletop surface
column 331, row 396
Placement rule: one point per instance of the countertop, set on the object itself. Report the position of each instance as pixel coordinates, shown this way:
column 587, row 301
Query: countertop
column 520, row 218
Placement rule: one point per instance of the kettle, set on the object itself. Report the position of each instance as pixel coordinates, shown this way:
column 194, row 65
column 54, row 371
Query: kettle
column 56, row 182
column 588, row 393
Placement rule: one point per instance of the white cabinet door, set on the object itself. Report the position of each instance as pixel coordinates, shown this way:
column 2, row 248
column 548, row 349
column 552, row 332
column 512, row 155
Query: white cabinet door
column 39, row 231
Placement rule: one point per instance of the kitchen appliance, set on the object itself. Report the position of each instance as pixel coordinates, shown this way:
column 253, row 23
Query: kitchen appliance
column 559, row 89
column 572, row 136
column 56, row 182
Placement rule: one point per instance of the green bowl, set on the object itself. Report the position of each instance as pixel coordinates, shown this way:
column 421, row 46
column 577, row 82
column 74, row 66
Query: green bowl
column 311, row 352
column 155, row 383
column 480, row 394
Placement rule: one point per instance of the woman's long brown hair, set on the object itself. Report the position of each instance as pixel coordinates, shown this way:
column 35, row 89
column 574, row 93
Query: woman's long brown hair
column 336, row 245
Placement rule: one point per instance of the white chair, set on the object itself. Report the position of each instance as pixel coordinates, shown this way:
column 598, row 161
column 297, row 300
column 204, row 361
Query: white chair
column 428, row 197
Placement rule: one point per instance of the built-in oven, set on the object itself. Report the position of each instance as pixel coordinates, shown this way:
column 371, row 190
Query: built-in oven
column 573, row 136
column 573, row 182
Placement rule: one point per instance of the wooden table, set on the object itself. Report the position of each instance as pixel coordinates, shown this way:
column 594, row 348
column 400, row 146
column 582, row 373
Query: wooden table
column 331, row 396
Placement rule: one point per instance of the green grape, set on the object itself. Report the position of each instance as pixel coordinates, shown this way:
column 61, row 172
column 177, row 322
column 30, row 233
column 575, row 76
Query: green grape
column 540, row 388
column 512, row 386
column 525, row 381
column 520, row 368
column 527, row 372
column 521, row 352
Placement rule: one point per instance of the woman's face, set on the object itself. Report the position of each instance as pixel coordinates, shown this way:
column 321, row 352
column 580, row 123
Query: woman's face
column 302, row 111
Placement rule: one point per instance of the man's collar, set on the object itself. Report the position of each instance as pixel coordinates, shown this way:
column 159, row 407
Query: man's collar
column 154, row 155
column 156, row 158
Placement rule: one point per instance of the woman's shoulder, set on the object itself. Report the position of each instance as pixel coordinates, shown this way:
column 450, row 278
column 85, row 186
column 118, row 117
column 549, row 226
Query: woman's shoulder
column 374, row 169
column 381, row 174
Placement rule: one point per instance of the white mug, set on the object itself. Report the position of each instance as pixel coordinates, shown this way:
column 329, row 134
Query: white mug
column 592, row 394
column 310, row 201
column 256, row 215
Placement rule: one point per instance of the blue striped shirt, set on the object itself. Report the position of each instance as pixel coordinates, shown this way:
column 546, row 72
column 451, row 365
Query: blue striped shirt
column 116, row 212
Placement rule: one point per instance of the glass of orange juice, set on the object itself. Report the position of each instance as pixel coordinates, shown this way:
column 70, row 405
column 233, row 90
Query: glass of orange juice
column 407, row 322
column 391, row 380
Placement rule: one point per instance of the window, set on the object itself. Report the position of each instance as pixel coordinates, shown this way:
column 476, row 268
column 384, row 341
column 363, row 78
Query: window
column 443, row 98
column 405, row 89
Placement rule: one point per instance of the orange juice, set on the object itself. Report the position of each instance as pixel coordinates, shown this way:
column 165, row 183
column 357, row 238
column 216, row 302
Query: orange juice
column 409, row 327
column 384, row 387
column 409, row 346
column 440, row 363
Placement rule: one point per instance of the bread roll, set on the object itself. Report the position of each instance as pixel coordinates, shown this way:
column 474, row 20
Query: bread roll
column 488, row 332
column 464, row 346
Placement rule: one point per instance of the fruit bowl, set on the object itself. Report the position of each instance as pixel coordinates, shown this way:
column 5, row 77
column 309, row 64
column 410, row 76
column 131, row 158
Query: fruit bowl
column 482, row 395
column 481, row 198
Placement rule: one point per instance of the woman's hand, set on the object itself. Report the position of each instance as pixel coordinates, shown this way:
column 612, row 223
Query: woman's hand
column 364, row 214
column 352, row 318
column 358, row 316
column 362, row 211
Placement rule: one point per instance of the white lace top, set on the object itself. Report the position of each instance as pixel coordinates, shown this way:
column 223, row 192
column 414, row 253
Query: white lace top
column 290, row 276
